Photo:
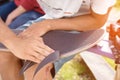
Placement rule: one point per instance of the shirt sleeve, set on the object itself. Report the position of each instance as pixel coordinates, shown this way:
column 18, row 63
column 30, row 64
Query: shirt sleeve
column 28, row 4
column 102, row 6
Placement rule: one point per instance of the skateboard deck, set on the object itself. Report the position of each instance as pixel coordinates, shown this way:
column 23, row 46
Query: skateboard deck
column 65, row 44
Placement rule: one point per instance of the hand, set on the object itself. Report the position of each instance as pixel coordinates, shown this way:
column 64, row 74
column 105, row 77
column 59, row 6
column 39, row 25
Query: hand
column 36, row 29
column 32, row 48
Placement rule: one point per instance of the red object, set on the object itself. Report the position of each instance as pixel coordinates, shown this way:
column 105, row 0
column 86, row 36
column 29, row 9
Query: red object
column 114, row 40
column 30, row 5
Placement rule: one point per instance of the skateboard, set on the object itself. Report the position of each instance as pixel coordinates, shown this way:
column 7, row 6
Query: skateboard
column 65, row 43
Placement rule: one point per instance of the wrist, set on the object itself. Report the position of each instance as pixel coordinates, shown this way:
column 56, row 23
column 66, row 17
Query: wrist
column 47, row 25
column 9, row 40
column 11, row 43
column 43, row 27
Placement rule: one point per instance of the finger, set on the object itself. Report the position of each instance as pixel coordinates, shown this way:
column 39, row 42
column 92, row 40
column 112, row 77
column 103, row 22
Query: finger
column 44, row 46
column 38, row 56
column 50, row 50
column 33, row 58
column 41, row 51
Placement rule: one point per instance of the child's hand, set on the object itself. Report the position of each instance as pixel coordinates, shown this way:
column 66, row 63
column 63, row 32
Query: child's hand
column 36, row 29
column 31, row 48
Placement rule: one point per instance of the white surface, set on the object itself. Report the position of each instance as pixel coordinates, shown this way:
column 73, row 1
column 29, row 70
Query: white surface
column 98, row 66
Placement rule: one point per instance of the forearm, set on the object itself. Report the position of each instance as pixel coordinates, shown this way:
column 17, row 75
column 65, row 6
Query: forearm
column 85, row 22
column 18, row 11
column 6, row 35
column 78, row 23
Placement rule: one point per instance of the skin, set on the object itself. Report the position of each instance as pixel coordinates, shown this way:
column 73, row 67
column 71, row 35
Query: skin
column 86, row 22
column 93, row 22
column 32, row 37
column 18, row 11
column 36, row 45
column 10, row 62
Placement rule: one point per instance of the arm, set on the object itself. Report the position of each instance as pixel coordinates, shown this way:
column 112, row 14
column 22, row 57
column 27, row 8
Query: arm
column 23, row 6
column 18, row 11
column 36, row 51
column 4, row 31
column 79, row 23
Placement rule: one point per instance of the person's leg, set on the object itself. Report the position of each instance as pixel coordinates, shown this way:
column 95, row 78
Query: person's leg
column 6, row 9
column 43, row 74
column 25, row 17
column 10, row 66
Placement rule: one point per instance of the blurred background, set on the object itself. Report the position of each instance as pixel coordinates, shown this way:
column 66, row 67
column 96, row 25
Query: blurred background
column 76, row 69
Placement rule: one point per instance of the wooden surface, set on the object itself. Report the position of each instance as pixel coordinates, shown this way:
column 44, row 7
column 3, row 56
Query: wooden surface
column 98, row 66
